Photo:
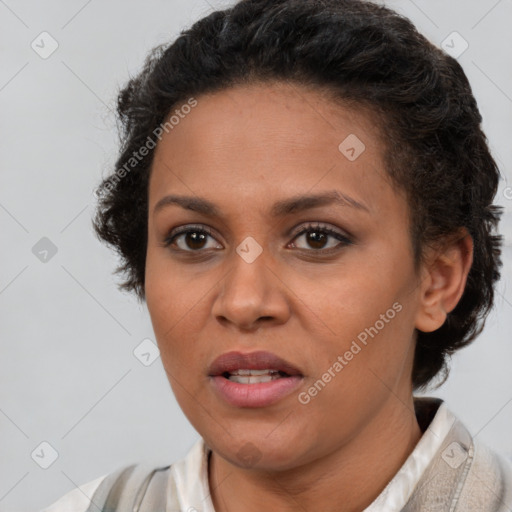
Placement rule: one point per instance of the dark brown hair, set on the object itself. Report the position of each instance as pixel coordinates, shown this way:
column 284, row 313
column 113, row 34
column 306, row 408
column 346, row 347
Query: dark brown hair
column 365, row 54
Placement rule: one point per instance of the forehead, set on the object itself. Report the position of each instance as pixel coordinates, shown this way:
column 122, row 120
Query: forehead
column 263, row 139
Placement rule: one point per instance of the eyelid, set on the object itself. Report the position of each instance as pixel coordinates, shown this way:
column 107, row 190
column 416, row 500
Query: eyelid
column 344, row 238
column 323, row 226
column 180, row 230
column 190, row 227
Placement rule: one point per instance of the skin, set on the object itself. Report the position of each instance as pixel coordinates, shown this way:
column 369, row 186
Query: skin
column 244, row 149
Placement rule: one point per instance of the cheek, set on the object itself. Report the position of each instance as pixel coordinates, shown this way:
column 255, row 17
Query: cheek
column 170, row 293
column 176, row 302
column 367, row 318
column 352, row 299
column 166, row 306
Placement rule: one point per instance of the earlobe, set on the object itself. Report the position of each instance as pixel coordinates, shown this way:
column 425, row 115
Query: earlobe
column 443, row 283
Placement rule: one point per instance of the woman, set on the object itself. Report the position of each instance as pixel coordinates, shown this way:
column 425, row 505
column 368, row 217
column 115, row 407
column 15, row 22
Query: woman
column 303, row 199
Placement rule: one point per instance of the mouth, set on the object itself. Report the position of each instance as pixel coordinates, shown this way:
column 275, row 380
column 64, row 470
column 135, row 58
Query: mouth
column 247, row 376
column 252, row 365
column 255, row 379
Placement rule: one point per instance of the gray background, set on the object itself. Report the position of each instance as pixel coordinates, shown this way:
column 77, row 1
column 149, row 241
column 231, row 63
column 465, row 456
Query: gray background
column 68, row 372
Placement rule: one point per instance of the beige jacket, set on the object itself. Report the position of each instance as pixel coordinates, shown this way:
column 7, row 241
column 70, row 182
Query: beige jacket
column 464, row 475
column 448, row 471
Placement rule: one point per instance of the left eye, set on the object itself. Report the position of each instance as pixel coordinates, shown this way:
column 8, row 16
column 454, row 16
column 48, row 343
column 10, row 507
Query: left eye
column 317, row 236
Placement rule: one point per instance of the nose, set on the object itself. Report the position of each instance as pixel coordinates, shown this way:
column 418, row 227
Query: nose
column 251, row 294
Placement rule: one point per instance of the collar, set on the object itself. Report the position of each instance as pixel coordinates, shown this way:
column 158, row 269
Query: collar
column 435, row 420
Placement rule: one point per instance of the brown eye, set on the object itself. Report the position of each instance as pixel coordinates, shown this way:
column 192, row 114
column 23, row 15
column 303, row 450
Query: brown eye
column 195, row 239
column 190, row 239
column 317, row 237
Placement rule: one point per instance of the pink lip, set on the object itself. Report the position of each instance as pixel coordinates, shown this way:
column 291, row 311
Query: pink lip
column 253, row 395
column 250, row 361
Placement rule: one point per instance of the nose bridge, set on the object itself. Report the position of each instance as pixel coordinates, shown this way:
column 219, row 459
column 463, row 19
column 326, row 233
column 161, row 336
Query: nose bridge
column 250, row 290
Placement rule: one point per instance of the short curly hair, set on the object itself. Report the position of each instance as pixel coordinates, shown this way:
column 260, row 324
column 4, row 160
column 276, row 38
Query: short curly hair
column 367, row 55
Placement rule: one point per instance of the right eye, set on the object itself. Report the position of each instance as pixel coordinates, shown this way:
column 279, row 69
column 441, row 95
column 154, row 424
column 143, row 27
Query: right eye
column 192, row 238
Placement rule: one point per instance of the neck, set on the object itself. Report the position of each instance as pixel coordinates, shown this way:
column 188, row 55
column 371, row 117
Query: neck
column 348, row 479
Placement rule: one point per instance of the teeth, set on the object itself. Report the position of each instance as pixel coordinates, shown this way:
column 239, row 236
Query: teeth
column 254, row 372
column 254, row 379
column 245, row 376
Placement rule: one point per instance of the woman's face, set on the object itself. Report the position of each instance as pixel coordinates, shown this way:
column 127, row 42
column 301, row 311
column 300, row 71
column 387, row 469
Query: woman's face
column 339, row 306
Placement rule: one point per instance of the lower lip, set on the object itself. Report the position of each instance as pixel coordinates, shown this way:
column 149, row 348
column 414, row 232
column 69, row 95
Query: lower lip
column 255, row 395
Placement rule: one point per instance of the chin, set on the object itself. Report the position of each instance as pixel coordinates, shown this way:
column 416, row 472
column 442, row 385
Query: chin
column 258, row 454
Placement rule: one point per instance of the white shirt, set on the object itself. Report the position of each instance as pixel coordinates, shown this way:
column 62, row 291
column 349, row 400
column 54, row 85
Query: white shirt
column 191, row 475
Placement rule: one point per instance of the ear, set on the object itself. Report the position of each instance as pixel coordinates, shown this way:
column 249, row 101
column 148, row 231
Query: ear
column 444, row 279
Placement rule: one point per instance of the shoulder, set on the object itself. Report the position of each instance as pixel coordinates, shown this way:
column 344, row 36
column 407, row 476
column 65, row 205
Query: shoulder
column 489, row 479
column 126, row 488
column 483, row 480
column 118, row 489
column 77, row 500
column 464, row 474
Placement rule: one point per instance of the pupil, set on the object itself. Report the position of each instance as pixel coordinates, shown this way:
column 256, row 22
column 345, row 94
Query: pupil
column 195, row 237
column 314, row 237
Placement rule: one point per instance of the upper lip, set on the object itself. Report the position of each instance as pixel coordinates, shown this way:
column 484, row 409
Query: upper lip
column 261, row 360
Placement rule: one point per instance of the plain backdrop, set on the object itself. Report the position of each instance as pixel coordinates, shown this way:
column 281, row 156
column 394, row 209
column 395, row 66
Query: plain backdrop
column 69, row 376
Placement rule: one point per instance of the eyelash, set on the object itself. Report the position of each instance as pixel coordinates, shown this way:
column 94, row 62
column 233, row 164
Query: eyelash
column 344, row 240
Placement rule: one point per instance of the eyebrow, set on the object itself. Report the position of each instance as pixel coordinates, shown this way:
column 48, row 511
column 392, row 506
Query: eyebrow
column 280, row 209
